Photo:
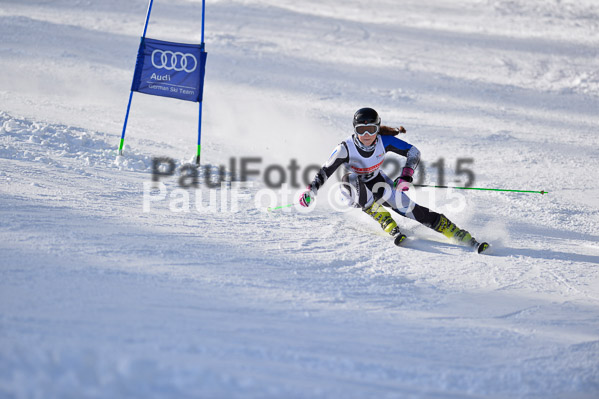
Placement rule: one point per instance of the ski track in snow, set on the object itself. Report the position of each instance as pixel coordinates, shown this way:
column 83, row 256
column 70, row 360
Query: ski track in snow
column 99, row 298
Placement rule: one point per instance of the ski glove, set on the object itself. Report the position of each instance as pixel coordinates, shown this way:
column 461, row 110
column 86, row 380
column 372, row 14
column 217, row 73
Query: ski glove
column 307, row 197
column 402, row 183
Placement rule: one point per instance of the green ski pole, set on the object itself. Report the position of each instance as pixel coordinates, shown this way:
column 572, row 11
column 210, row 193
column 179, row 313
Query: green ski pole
column 485, row 189
column 279, row 207
column 286, row 206
column 426, row 185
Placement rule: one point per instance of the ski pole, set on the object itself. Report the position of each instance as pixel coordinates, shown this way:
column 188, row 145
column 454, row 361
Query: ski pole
column 282, row 206
column 426, row 185
column 485, row 189
column 286, row 206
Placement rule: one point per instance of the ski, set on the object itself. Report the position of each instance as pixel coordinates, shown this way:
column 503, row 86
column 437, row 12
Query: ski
column 482, row 247
column 399, row 239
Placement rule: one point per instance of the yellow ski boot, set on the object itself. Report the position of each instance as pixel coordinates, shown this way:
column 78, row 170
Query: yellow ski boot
column 383, row 217
column 454, row 233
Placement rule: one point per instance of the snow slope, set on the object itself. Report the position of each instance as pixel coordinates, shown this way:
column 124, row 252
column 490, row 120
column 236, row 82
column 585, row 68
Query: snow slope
column 106, row 290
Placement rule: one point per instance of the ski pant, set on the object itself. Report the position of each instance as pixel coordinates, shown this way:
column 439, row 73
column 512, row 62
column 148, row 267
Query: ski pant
column 362, row 194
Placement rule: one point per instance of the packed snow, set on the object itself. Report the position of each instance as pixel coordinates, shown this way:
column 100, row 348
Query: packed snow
column 112, row 285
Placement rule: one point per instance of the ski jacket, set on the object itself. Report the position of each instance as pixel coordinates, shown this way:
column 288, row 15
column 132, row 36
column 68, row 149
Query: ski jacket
column 365, row 164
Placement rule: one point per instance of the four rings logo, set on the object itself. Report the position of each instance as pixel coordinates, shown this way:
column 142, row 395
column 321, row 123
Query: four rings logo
column 176, row 61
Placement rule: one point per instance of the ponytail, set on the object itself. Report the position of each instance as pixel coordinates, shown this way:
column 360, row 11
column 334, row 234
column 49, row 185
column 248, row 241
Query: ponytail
column 391, row 131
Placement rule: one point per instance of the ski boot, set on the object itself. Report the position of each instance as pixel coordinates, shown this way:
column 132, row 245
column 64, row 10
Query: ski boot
column 451, row 231
column 384, row 218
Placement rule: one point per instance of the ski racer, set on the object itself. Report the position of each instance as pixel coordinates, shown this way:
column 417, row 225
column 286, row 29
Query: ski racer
column 367, row 187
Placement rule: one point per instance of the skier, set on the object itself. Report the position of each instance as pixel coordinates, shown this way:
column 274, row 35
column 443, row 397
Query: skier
column 366, row 186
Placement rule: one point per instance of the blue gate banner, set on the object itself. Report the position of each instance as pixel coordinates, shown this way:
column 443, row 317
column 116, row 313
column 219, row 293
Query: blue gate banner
column 170, row 69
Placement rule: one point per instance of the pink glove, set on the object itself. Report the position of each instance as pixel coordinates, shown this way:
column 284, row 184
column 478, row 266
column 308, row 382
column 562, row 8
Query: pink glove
column 402, row 183
column 307, row 197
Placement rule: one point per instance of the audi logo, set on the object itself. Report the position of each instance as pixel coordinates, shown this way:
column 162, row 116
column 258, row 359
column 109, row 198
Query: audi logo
column 176, row 61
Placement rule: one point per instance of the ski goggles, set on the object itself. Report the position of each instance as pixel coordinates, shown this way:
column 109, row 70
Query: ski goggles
column 371, row 129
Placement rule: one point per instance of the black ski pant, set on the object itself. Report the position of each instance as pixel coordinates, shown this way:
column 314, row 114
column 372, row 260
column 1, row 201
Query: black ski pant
column 380, row 189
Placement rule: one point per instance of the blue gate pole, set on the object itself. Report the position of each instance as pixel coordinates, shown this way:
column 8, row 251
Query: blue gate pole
column 131, row 94
column 200, row 106
column 199, row 134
